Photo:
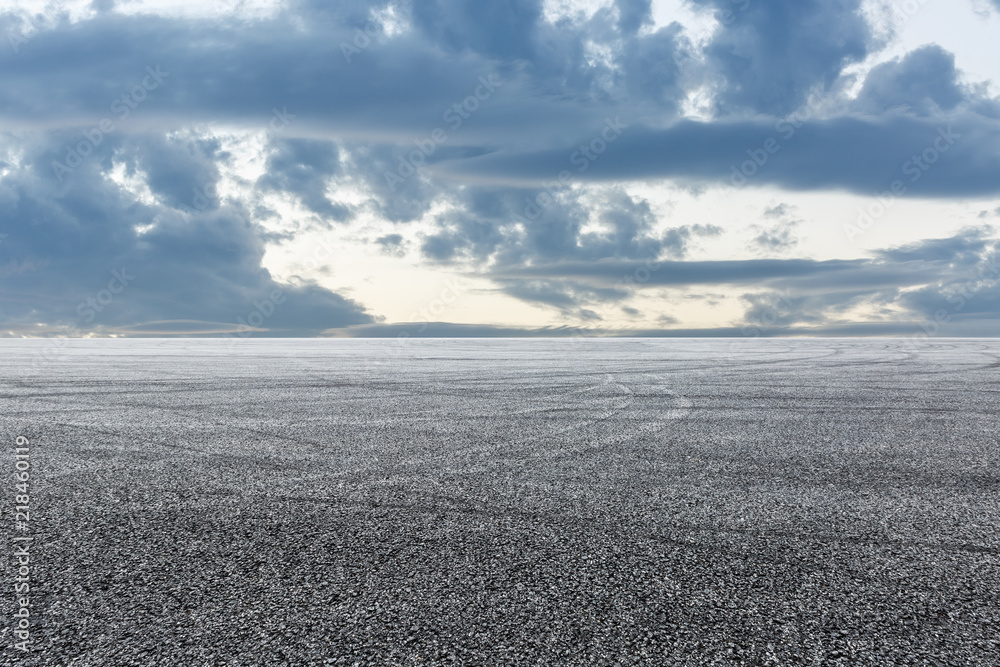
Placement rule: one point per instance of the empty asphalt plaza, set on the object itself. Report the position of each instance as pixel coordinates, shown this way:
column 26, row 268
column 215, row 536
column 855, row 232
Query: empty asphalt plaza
column 506, row 502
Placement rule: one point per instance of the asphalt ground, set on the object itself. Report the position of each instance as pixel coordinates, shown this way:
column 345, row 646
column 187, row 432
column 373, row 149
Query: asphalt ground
column 505, row 502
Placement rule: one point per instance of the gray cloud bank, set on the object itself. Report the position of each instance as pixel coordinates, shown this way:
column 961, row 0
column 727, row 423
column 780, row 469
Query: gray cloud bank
column 488, row 107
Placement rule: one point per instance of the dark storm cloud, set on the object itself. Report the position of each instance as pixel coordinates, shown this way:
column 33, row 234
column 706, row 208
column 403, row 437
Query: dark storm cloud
column 650, row 69
column 485, row 227
column 964, row 249
column 554, row 98
column 347, row 98
column 303, row 168
column 482, row 232
column 859, row 155
column 438, row 247
column 769, row 55
column 239, row 71
column 569, row 297
column 924, row 81
column 970, row 290
column 503, row 30
column 85, row 255
column 949, row 284
column 678, row 273
column 634, row 14
column 929, row 262
column 180, row 171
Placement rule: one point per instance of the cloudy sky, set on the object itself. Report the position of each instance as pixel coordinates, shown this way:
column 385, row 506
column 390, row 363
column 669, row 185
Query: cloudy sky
column 500, row 167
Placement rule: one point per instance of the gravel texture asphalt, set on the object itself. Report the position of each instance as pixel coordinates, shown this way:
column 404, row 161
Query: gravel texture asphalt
column 506, row 502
